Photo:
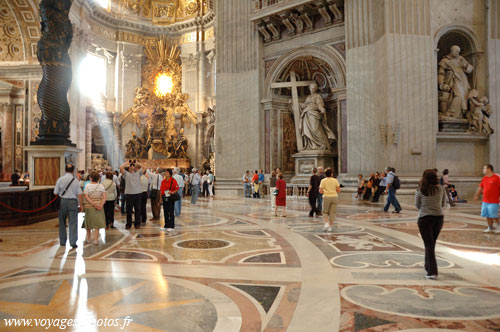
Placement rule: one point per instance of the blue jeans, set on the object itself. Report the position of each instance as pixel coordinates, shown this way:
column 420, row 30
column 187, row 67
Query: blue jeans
column 178, row 204
column 320, row 203
column 194, row 194
column 391, row 199
column 68, row 209
column 247, row 188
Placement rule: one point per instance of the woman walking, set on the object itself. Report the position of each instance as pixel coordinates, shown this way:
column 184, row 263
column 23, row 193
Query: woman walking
column 109, row 206
column 95, row 197
column 330, row 188
column 280, row 195
column 429, row 200
column 168, row 188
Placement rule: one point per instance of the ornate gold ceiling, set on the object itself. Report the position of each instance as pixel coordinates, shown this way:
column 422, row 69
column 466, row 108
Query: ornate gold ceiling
column 160, row 12
column 19, row 30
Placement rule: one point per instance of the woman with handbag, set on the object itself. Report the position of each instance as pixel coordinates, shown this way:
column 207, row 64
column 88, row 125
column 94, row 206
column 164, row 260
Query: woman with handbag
column 280, row 193
column 95, row 198
column 169, row 194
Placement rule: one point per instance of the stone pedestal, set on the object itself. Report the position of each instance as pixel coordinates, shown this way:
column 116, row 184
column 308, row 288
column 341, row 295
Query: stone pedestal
column 305, row 161
column 450, row 125
column 46, row 163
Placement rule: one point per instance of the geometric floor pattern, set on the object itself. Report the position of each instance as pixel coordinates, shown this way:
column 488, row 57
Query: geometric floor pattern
column 231, row 265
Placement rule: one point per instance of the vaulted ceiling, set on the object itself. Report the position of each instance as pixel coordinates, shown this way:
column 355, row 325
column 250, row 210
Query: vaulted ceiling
column 19, row 30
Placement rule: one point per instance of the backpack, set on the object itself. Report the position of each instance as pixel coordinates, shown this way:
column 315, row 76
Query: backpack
column 396, row 184
column 441, row 181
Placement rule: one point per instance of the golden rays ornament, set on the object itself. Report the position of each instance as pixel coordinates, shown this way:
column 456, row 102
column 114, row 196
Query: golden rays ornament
column 160, row 108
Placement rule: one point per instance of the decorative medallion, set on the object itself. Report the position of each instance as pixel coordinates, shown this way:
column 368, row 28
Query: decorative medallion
column 203, row 244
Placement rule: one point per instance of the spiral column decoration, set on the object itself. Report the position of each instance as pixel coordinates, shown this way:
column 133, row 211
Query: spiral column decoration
column 57, row 34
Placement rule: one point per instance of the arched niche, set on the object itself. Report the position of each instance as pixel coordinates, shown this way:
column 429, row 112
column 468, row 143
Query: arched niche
column 322, row 64
column 463, row 38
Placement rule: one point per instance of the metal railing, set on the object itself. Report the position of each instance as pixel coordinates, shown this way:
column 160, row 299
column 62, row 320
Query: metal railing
column 292, row 190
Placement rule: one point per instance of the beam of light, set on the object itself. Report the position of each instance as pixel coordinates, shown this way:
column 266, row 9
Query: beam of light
column 92, row 77
column 163, row 84
column 103, row 3
column 481, row 257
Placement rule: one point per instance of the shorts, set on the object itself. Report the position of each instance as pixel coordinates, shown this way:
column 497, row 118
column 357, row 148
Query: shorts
column 489, row 210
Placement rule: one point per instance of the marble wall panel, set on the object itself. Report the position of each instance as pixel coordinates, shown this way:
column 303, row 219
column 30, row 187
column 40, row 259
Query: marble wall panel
column 493, row 55
column 239, row 135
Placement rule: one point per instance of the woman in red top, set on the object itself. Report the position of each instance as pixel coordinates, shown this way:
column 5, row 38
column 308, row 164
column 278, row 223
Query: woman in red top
column 281, row 196
column 168, row 187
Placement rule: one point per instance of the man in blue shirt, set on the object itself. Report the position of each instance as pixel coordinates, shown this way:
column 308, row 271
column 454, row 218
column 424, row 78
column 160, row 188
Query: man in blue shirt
column 391, row 197
column 261, row 181
column 68, row 189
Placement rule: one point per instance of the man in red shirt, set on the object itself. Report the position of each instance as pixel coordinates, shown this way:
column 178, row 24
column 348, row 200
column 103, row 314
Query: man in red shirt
column 490, row 187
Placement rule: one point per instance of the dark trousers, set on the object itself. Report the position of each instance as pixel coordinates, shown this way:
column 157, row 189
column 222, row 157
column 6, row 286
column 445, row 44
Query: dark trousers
column 155, row 203
column 429, row 227
column 134, row 202
column 109, row 212
column 367, row 194
column 205, row 189
column 144, row 212
column 379, row 192
column 123, row 199
column 168, row 212
column 314, row 207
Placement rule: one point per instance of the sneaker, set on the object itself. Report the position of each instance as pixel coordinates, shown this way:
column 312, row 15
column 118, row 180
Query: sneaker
column 489, row 230
column 431, row 277
column 326, row 226
column 169, row 229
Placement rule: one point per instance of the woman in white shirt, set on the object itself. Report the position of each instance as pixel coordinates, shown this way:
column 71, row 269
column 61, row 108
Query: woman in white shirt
column 109, row 206
column 95, row 197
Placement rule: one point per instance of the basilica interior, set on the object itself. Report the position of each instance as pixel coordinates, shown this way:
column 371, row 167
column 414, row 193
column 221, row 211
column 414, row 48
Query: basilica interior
column 227, row 86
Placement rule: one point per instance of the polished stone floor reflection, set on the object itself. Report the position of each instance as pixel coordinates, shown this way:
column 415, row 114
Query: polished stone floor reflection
column 230, row 265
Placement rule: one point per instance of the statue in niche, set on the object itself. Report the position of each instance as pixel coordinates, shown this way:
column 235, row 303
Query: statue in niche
column 479, row 113
column 313, row 125
column 453, row 84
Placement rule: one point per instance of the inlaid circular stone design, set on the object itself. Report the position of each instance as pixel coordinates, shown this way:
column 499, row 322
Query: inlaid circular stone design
column 203, row 244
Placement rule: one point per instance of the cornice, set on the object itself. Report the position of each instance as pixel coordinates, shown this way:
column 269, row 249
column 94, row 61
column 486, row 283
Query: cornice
column 99, row 16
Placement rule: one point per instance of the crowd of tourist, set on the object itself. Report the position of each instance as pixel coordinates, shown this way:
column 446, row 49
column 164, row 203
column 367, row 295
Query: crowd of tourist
column 100, row 193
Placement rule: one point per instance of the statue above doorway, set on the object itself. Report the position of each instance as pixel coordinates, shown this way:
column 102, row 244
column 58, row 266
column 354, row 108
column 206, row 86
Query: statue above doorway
column 313, row 125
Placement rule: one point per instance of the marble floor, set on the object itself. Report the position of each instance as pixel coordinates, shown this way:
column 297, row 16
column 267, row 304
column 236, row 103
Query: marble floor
column 232, row 266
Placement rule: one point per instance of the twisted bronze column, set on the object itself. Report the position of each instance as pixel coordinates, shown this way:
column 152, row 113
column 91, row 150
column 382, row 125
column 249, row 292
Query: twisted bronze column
column 57, row 34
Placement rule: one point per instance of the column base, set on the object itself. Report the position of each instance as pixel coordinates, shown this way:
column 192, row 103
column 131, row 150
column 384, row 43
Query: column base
column 46, row 163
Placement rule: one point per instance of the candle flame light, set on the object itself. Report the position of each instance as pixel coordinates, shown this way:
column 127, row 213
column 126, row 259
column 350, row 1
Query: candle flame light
column 163, row 84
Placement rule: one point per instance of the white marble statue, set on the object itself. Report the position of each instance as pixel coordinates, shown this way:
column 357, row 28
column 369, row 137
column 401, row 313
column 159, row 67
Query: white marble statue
column 313, row 125
column 453, row 84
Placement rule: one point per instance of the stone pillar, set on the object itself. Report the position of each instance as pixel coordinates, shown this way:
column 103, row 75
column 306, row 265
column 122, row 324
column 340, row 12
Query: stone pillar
column 78, row 51
column 342, row 143
column 390, row 53
column 7, row 137
column 239, row 115
column 493, row 64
